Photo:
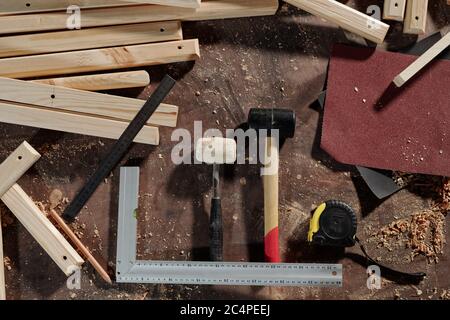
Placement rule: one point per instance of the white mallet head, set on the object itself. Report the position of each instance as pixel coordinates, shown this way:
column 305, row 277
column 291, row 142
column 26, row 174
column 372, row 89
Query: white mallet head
column 215, row 150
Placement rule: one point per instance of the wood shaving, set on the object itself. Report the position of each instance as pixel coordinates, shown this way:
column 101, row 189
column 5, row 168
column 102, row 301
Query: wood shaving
column 55, row 198
column 423, row 233
column 7, row 263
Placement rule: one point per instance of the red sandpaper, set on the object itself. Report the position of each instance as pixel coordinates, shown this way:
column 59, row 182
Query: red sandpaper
column 369, row 122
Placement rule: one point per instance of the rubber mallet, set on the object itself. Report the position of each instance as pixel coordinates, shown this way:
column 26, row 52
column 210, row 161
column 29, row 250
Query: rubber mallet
column 284, row 122
column 216, row 151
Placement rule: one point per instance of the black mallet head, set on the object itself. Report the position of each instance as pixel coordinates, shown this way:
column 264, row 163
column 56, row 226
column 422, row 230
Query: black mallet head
column 270, row 119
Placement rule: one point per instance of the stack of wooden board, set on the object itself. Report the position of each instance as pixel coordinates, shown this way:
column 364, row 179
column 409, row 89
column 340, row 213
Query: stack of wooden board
column 39, row 51
column 412, row 12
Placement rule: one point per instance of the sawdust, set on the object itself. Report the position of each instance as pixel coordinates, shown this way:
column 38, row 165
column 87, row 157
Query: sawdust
column 423, row 233
column 6, row 216
column 7, row 262
column 55, row 198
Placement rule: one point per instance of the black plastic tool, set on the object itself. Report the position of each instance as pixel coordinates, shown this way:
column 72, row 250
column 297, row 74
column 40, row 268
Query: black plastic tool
column 334, row 224
column 120, row 148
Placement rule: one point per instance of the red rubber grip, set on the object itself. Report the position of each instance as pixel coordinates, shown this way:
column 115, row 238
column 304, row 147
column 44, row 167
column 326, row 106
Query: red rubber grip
column 271, row 246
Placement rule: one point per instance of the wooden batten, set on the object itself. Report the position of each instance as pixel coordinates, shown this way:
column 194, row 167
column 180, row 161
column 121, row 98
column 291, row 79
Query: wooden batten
column 26, row 115
column 84, row 102
column 41, row 43
column 102, row 81
column 99, row 59
column 215, row 9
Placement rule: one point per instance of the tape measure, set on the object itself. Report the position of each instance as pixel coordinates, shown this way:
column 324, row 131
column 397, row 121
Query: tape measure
column 234, row 273
column 333, row 224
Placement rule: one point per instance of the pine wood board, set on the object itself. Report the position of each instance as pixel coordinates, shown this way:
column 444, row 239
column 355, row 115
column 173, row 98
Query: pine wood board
column 65, row 63
column 103, row 37
column 84, row 102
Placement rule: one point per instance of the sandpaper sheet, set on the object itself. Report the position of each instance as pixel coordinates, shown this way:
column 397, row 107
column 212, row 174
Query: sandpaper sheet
column 369, row 122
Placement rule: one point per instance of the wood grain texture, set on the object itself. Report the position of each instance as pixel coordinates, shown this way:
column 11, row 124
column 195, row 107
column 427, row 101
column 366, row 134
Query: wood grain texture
column 173, row 3
column 29, row 214
column 18, row 163
column 422, row 61
column 416, row 17
column 394, row 10
column 10, row 7
column 15, row 113
column 2, row 267
column 40, row 43
column 85, row 102
column 99, row 59
column 42, row 230
column 345, row 17
column 103, row 81
column 214, row 9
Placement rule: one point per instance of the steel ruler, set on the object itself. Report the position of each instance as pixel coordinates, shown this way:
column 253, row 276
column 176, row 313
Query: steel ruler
column 130, row 270
column 119, row 148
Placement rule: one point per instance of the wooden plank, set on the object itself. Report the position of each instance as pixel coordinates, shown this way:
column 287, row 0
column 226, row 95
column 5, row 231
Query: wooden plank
column 416, row 17
column 42, row 230
column 215, row 9
column 10, row 171
column 10, row 7
column 422, row 61
column 2, row 266
column 74, row 123
column 99, row 59
column 394, row 10
column 78, row 101
column 103, row 37
column 172, row 3
column 29, row 214
column 22, row 159
column 80, row 246
column 345, row 17
column 103, row 81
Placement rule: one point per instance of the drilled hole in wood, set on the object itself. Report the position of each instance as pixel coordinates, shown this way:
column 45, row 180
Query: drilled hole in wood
column 28, row 4
column 19, row 157
column 180, row 47
column 53, row 96
column 65, row 258
column 162, row 29
column 396, row 4
column 417, row 18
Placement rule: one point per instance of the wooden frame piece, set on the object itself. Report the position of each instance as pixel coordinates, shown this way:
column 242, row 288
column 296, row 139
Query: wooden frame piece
column 62, row 41
column 100, row 59
column 394, row 10
column 103, row 81
column 25, row 115
column 209, row 10
column 422, row 61
column 345, row 17
column 84, row 102
column 2, row 267
column 29, row 214
column 12, row 7
column 416, row 17
column 172, row 3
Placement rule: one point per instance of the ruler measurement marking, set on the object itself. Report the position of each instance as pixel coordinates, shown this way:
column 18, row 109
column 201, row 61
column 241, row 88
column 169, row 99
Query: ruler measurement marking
column 208, row 273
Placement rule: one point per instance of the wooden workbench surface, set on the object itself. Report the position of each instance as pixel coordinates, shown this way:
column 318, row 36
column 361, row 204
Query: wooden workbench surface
column 278, row 61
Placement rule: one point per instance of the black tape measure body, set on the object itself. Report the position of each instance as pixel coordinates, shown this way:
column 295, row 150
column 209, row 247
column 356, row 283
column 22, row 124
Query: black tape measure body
column 334, row 223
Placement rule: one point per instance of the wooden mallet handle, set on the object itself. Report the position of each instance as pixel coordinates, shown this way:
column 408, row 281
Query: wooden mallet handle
column 270, row 183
